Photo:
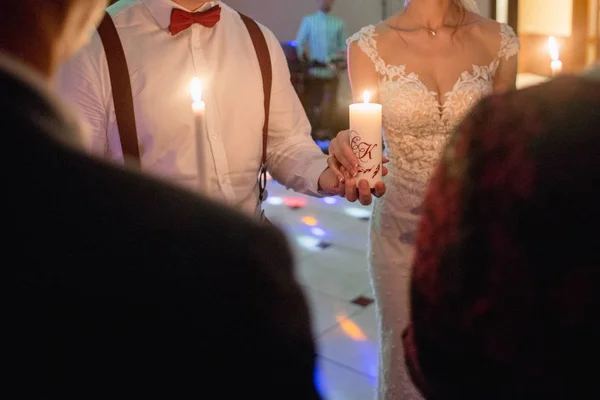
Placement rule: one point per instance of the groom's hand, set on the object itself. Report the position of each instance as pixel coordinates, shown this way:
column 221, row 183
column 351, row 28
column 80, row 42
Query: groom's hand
column 361, row 192
column 335, row 184
column 342, row 184
column 331, row 183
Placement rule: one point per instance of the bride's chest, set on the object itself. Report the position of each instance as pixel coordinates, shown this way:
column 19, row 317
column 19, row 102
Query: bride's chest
column 409, row 107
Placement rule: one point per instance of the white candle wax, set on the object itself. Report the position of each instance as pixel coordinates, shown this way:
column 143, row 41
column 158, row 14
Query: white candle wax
column 366, row 141
column 199, row 109
column 555, row 65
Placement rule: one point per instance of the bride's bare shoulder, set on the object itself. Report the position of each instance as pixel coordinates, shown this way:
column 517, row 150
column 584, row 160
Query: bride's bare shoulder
column 388, row 40
column 487, row 31
column 387, row 32
column 379, row 30
column 376, row 36
column 486, row 28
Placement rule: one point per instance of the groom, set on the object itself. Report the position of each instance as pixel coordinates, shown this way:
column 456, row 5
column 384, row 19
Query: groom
column 167, row 43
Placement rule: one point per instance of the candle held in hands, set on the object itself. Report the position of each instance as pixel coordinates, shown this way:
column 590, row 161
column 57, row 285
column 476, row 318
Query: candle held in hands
column 366, row 141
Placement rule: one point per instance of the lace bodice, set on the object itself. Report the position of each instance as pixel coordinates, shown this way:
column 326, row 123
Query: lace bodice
column 417, row 123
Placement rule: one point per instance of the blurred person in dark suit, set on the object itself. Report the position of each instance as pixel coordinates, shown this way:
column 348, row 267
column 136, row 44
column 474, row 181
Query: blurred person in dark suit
column 116, row 285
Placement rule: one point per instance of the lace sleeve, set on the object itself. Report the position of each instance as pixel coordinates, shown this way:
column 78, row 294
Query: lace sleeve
column 509, row 42
column 365, row 39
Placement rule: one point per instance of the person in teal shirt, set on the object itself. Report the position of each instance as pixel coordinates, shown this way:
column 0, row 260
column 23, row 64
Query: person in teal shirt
column 321, row 40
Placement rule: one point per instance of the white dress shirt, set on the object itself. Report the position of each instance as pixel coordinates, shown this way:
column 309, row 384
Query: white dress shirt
column 25, row 73
column 161, row 67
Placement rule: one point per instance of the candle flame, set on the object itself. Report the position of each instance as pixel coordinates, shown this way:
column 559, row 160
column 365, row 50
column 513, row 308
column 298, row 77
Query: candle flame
column 553, row 48
column 367, row 96
column 196, row 90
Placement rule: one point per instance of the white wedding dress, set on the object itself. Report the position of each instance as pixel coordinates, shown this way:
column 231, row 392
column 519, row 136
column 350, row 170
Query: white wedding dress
column 416, row 127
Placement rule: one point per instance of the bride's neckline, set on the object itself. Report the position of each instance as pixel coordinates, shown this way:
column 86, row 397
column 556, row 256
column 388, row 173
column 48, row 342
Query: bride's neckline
column 432, row 32
column 400, row 70
column 442, row 97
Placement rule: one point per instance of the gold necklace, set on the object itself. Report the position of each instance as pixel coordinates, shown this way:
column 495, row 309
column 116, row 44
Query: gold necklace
column 432, row 32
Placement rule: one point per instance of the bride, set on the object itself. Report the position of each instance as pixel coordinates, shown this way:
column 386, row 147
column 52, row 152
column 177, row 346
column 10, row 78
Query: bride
column 428, row 65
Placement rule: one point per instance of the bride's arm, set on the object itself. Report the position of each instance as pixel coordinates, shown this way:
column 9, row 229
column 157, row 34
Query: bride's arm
column 362, row 73
column 506, row 75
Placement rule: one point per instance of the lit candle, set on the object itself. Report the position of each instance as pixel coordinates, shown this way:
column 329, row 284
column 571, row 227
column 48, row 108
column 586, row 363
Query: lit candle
column 365, row 139
column 199, row 107
column 555, row 64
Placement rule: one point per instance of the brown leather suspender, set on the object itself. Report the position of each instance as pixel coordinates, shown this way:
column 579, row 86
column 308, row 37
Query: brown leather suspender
column 123, row 98
column 264, row 61
column 121, row 88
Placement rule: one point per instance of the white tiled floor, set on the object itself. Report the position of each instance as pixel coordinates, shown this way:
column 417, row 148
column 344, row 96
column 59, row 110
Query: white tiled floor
column 332, row 277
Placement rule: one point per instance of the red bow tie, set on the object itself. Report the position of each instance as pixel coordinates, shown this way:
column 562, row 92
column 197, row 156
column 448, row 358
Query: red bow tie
column 181, row 20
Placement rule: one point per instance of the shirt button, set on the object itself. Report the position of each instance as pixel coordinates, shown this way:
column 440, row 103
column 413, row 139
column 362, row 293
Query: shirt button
column 214, row 137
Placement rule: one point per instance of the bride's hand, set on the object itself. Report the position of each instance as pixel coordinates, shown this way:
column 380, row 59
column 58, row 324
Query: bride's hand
column 342, row 161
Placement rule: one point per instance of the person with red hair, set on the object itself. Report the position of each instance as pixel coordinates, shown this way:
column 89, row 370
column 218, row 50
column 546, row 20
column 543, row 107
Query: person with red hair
column 505, row 292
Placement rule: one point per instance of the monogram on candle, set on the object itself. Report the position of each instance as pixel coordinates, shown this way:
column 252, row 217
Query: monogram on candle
column 366, row 140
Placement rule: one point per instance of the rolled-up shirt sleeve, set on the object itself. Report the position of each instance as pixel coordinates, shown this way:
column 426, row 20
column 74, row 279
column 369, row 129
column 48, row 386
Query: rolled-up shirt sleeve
column 293, row 157
column 80, row 85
